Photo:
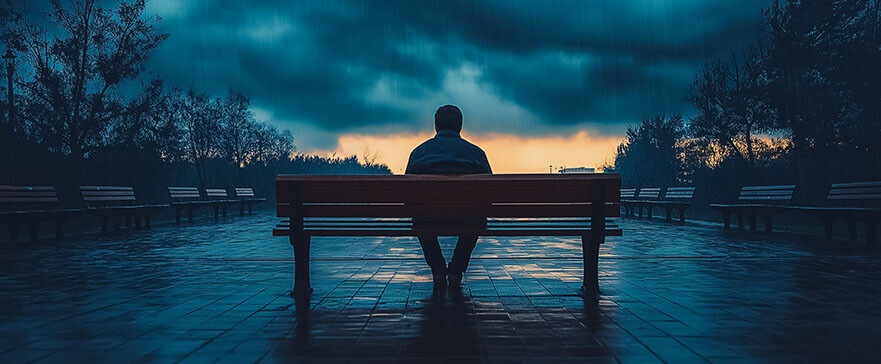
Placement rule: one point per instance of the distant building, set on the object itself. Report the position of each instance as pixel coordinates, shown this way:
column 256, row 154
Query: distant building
column 578, row 170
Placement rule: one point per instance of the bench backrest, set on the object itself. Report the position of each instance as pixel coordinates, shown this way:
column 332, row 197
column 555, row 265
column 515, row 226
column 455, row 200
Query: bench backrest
column 107, row 196
column 246, row 192
column 215, row 193
column 858, row 194
column 649, row 193
column 24, row 198
column 519, row 196
column 628, row 193
column 679, row 194
column 770, row 195
column 183, row 194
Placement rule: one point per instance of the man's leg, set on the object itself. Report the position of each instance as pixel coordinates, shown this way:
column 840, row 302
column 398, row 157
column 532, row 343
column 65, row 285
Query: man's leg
column 462, row 254
column 435, row 259
column 433, row 255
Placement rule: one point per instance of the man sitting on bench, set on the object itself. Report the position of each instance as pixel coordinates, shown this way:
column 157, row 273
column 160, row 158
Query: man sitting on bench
column 447, row 153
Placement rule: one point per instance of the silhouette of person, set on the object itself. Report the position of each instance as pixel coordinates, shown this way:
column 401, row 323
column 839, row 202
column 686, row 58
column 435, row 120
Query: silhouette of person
column 448, row 153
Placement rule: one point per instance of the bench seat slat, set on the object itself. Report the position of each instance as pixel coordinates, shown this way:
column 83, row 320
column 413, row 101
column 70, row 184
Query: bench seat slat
column 28, row 199
column 401, row 210
column 391, row 233
column 855, row 197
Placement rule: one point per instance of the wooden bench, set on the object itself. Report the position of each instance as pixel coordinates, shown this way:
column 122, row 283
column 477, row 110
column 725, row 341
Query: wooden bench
column 628, row 198
column 187, row 199
column 645, row 199
column 675, row 198
column 219, row 200
column 32, row 205
column 753, row 201
column 246, row 197
column 113, row 203
column 384, row 205
column 852, row 203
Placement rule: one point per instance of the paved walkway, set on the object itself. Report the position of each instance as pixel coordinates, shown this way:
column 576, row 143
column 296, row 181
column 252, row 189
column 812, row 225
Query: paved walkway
column 217, row 291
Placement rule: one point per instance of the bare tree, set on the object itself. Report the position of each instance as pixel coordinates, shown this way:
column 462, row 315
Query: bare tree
column 200, row 117
column 78, row 69
column 238, row 129
column 731, row 104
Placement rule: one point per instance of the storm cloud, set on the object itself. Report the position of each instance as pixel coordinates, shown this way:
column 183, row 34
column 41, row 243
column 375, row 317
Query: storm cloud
column 324, row 68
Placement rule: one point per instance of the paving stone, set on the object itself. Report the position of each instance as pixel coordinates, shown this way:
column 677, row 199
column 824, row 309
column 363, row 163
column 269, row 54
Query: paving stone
column 217, row 291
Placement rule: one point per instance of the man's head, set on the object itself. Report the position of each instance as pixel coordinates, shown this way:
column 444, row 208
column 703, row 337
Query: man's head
column 448, row 117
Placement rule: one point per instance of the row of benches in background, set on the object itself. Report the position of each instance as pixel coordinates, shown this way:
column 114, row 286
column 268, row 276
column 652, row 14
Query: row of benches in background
column 647, row 199
column 34, row 205
column 852, row 203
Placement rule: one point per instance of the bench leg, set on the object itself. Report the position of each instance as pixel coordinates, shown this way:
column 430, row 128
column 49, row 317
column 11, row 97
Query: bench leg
column 14, row 227
column 590, row 249
column 753, row 220
column 250, row 209
column 828, row 227
column 190, row 214
column 34, row 231
column 117, row 223
column 669, row 212
column 768, row 226
column 224, row 210
column 216, row 209
column 852, row 230
column 302, row 287
column 648, row 211
column 682, row 215
column 726, row 219
column 871, row 231
column 59, row 229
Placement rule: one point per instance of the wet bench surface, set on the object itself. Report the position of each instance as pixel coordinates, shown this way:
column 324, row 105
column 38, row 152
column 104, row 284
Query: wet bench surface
column 218, row 291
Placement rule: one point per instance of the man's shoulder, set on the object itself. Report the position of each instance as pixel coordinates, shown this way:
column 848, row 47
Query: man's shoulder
column 472, row 146
column 422, row 146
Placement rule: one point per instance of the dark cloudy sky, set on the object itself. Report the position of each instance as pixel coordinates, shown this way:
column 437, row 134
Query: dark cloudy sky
column 523, row 68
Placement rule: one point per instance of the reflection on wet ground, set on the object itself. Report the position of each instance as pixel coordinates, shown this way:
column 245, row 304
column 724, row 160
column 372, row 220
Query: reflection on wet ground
column 217, row 291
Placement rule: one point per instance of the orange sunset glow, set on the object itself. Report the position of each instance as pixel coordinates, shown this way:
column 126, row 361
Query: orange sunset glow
column 507, row 153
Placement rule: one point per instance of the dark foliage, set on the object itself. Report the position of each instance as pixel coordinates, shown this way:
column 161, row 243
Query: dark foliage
column 801, row 107
column 83, row 119
column 651, row 152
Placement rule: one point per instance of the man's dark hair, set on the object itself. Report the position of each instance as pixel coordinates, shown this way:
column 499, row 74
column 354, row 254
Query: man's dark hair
column 448, row 117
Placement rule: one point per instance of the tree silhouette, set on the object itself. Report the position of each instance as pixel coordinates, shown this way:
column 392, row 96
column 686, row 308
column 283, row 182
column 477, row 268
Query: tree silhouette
column 71, row 98
column 651, row 152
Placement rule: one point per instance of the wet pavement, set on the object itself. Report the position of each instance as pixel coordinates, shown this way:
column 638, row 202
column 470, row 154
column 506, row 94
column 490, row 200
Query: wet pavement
column 218, row 292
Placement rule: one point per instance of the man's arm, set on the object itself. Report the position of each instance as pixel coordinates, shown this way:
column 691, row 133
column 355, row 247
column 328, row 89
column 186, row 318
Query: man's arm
column 411, row 169
column 485, row 163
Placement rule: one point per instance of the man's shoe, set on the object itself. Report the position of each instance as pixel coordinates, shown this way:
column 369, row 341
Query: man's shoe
column 440, row 286
column 455, row 280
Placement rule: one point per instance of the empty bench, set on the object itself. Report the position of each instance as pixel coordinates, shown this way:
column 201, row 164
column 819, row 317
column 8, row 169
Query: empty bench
column 219, row 200
column 31, row 206
column 384, row 205
column 246, row 198
column 753, row 201
column 675, row 199
column 112, row 203
column 644, row 196
column 852, row 203
column 186, row 199
column 628, row 198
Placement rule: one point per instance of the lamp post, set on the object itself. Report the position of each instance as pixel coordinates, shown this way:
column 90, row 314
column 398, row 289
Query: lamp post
column 10, row 111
